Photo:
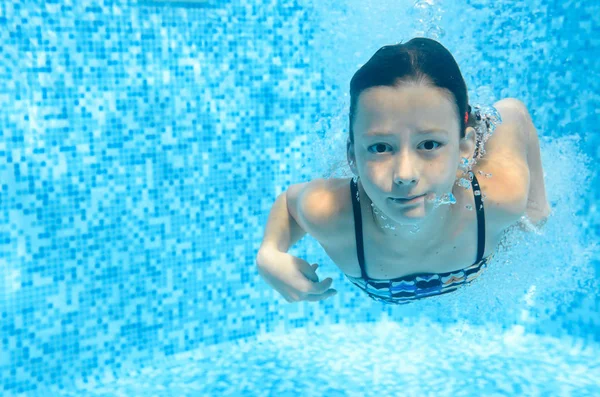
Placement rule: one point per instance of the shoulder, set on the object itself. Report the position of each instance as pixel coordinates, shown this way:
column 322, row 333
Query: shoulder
column 505, row 159
column 511, row 104
column 320, row 205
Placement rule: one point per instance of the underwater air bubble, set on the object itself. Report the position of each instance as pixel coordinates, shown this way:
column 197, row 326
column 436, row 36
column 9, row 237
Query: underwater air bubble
column 462, row 182
column 413, row 228
column 447, row 198
column 489, row 118
column 464, row 163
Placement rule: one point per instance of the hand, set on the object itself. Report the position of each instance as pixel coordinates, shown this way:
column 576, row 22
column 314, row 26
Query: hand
column 294, row 278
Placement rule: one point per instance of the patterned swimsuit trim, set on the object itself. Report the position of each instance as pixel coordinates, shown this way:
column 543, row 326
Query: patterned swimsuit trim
column 406, row 289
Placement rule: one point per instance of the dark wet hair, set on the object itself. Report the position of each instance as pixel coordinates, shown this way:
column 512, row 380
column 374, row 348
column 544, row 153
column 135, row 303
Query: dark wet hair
column 419, row 60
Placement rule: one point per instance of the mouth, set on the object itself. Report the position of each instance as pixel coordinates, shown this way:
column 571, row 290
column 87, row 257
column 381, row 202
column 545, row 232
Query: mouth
column 407, row 200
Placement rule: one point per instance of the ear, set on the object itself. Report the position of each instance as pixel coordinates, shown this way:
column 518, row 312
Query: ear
column 467, row 144
column 351, row 156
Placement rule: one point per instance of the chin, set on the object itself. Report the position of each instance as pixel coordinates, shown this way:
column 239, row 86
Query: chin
column 406, row 214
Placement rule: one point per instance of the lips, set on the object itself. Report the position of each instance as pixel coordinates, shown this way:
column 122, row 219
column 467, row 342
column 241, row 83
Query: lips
column 406, row 198
column 411, row 200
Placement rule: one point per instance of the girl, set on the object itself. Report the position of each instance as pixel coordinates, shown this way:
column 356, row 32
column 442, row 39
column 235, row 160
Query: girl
column 422, row 215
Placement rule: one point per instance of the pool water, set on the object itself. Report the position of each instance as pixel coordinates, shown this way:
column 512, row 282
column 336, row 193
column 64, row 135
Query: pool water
column 143, row 142
column 382, row 359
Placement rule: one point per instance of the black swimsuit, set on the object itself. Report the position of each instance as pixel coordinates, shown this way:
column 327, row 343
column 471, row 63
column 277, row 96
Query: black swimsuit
column 408, row 288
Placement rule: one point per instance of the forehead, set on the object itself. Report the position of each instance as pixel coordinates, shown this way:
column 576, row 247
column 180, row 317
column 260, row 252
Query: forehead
column 408, row 106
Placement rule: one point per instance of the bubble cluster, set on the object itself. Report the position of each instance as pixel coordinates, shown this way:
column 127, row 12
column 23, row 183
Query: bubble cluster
column 463, row 182
column 488, row 118
column 377, row 212
column 484, row 174
column 444, row 199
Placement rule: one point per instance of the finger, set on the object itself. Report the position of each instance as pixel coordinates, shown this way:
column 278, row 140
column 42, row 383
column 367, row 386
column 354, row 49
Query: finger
column 315, row 266
column 313, row 277
column 322, row 286
column 290, row 299
column 307, row 269
column 315, row 298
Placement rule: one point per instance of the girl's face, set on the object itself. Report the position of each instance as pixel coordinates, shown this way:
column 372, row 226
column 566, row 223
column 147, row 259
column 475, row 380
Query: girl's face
column 406, row 144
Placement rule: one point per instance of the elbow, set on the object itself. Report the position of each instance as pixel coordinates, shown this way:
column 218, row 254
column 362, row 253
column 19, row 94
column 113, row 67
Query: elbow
column 542, row 217
column 537, row 211
column 536, row 218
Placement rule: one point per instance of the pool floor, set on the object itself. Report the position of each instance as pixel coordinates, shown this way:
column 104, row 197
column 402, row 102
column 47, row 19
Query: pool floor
column 370, row 359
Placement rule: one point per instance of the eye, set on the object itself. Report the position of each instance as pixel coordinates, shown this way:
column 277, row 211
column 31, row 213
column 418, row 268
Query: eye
column 379, row 147
column 430, row 143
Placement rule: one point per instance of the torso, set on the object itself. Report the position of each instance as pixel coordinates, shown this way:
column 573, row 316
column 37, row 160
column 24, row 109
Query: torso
column 383, row 262
column 505, row 159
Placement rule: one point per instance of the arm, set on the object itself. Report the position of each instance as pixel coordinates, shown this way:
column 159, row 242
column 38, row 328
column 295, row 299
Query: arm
column 294, row 278
column 305, row 208
column 538, row 208
column 282, row 230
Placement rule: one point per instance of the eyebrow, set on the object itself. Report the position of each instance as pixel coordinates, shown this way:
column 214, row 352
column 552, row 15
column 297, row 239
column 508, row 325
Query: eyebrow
column 425, row 131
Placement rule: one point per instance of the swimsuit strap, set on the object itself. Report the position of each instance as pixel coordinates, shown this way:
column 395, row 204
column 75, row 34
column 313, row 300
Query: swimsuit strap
column 358, row 227
column 480, row 217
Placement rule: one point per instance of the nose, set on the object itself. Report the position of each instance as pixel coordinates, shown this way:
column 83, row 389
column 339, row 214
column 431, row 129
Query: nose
column 405, row 172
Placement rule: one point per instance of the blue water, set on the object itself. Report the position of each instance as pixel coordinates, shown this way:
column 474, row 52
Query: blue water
column 142, row 144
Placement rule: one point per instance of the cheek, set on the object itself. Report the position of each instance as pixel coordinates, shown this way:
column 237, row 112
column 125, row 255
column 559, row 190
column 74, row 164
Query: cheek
column 370, row 167
column 377, row 172
column 441, row 172
column 375, row 176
